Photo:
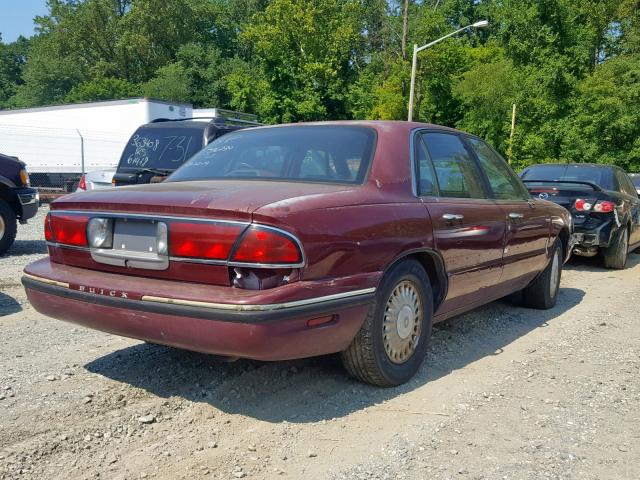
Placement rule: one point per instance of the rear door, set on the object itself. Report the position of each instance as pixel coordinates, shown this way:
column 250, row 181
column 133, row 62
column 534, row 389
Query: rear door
column 528, row 225
column 468, row 227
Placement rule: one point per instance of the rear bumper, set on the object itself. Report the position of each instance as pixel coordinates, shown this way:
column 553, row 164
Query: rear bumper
column 270, row 331
column 595, row 236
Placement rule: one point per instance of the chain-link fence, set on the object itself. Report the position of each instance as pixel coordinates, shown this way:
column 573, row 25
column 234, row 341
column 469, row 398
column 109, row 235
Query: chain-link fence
column 57, row 157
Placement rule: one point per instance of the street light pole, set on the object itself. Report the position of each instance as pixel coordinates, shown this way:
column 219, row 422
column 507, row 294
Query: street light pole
column 416, row 50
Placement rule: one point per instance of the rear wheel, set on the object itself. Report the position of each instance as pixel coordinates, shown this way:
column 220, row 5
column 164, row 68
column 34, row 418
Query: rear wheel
column 615, row 256
column 392, row 342
column 542, row 293
column 7, row 226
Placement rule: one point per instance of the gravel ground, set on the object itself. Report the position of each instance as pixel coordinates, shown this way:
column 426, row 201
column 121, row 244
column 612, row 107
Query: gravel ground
column 505, row 393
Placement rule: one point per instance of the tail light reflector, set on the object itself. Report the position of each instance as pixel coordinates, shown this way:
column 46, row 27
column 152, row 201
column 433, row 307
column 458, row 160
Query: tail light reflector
column 82, row 184
column 48, row 234
column 263, row 246
column 202, row 240
column 67, row 229
column 604, row 206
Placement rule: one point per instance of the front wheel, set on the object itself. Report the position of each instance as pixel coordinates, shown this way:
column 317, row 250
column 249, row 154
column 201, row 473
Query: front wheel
column 542, row 293
column 392, row 342
column 615, row 256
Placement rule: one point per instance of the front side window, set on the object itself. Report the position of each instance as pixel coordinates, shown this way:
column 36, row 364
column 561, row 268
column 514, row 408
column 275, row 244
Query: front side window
column 504, row 183
column 457, row 174
column 327, row 154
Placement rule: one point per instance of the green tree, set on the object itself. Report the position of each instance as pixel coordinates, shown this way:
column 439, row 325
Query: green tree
column 307, row 51
column 604, row 126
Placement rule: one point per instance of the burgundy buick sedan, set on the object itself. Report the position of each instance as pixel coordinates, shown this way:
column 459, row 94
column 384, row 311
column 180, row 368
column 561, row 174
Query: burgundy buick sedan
column 298, row 240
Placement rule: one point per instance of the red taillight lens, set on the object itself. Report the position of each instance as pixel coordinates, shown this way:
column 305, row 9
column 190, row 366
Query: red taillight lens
column 82, row 184
column 583, row 205
column 202, row 240
column 604, row 206
column 68, row 229
column 260, row 245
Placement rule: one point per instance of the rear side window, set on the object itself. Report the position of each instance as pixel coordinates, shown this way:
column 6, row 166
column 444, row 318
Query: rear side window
column 625, row 183
column 505, row 185
column 160, row 148
column 426, row 176
column 328, row 154
column 457, row 173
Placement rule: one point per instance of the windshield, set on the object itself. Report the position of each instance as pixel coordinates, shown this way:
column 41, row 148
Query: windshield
column 160, row 148
column 603, row 177
column 328, row 154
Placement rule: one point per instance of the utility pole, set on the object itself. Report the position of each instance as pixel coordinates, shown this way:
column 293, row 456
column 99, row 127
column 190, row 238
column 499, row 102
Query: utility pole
column 513, row 131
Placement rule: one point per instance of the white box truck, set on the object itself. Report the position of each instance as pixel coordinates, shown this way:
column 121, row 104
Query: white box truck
column 59, row 143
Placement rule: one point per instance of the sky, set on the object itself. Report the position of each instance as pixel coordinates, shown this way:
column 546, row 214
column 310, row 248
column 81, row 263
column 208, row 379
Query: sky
column 16, row 17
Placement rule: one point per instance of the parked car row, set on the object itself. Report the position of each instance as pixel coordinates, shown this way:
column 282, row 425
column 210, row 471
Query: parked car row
column 291, row 241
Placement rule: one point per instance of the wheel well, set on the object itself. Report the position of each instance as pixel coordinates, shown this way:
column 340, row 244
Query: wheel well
column 564, row 239
column 434, row 266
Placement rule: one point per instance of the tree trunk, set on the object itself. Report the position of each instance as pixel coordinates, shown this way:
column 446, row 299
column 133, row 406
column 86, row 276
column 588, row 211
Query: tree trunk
column 405, row 18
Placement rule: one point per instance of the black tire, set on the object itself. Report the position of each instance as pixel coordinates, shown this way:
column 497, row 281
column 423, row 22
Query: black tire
column 616, row 255
column 368, row 358
column 8, row 226
column 542, row 293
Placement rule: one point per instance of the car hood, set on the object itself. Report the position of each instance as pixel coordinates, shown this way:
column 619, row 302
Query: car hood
column 219, row 198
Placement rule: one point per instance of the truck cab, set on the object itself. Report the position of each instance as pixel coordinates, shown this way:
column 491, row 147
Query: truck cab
column 157, row 149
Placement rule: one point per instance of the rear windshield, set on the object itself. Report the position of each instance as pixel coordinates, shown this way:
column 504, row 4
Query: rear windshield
column 635, row 178
column 603, row 177
column 160, row 148
column 327, row 154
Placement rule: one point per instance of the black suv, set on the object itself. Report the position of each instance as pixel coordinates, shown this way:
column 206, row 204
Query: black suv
column 157, row 149
column 18, row 201
column 603, row 203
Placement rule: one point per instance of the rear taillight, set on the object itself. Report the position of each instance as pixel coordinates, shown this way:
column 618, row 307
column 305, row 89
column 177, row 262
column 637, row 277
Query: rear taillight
column 82, row 184
column 265, row 246
column 604, row 206
column 67, row 229
column 600, row 206
column 583, row 205
column 202, row 240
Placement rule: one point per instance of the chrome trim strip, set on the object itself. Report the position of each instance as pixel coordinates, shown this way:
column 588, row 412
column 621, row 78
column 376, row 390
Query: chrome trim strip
column 46, row 280
column 147, row 216
column 71, row 247
column 259, row 308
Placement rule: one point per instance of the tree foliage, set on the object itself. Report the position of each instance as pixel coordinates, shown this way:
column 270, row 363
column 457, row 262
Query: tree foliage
column 570, row 66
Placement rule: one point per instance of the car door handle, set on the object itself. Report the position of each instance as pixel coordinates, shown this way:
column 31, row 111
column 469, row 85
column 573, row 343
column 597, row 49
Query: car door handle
column 452, row 216
column 516, row 216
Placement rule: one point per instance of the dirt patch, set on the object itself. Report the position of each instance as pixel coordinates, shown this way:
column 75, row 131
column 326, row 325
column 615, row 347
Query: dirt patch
column 505, row 392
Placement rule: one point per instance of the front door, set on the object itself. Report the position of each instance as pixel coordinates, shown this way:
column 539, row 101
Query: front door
column 528, row 227
column 468, row 227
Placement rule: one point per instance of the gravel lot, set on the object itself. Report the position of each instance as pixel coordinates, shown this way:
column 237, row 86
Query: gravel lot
column 505, row 393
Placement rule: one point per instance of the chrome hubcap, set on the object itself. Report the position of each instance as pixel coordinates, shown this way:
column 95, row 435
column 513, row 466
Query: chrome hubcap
column 2, row 228
column 402, row 322
column 555, row 274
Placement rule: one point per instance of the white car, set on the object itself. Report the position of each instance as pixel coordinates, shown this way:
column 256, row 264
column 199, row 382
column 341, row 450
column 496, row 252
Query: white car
column 98, row 180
